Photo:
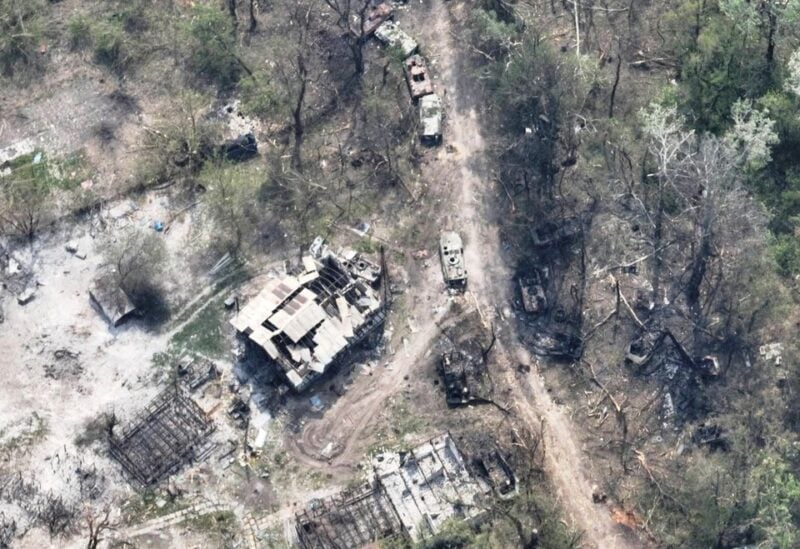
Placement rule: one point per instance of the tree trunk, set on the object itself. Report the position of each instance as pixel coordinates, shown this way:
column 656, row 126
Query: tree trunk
column 253, row 20
column 699, row 268
column 232, row 12
column 297, row 114
column 772, row 29
column 614, row 87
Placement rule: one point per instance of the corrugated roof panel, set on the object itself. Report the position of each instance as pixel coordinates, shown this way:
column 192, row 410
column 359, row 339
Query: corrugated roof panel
column 304, row 321
column 344, row 314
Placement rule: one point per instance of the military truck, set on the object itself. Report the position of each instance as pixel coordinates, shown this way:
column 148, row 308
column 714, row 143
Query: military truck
column 393, row 36
column 451, row 252
column 430, row 119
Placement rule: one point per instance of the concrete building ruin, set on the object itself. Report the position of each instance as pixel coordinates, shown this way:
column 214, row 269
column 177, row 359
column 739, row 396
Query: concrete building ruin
column 306, row 322
column 409, row 494
column 429, row 485
column 170, row 432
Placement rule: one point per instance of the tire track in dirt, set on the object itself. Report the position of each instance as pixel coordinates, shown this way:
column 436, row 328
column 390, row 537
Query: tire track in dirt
column 348, row 416
column 468, row 211
column 568, row 467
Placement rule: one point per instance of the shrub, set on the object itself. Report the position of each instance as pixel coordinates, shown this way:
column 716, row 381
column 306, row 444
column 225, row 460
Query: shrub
column 212, row 44
column 258, row 97
column 20, row 34
column 109, row 44
column 79, row 30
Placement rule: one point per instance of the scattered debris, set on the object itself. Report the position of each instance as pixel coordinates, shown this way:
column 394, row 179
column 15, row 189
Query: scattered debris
column 243, row 147
column 656, row 350
column 598, row 496
column 711, row 436
column 558, row 345
column 420, row 254
column 463, row 375
column 26, row 296
column 230, row 301
column 772, row 352
column 551, row 233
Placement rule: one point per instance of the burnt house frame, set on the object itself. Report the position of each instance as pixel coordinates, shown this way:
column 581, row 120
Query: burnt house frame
column 349, row 520
column 170, row 432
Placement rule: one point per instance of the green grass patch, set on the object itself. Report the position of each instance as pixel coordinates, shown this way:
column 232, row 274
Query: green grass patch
column 205, row 334
column 21, row 435
column 52, row 173
column 220, row 522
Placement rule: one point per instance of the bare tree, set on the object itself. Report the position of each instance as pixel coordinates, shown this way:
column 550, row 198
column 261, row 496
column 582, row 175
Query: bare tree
column 232, row 199
column 348, row 11
column 294, row 70
column 8, row 528
column 56, row 514
column 701, row 176
column 25, row 200
column 98, row 524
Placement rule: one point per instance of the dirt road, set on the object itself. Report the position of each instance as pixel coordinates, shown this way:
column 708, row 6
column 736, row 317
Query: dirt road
column 569, row 467
column 468, row 206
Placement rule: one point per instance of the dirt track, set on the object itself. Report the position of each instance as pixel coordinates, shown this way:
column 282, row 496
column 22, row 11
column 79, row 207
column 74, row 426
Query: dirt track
column 470, row 204
column 569, row 468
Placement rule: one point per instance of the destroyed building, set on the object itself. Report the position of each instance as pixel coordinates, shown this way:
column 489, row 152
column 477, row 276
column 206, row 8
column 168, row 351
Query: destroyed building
column 111, row 302
column 348, row 520
column 305, row 323
column 169, row 433
column 429, row 485
column 409, row 494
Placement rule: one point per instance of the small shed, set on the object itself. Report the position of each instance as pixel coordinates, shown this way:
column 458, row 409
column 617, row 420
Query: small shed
column 112, row 303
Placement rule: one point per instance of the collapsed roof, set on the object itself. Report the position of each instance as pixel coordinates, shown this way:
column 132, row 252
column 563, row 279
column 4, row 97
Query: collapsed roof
column 429, row 485
column 307, row 321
